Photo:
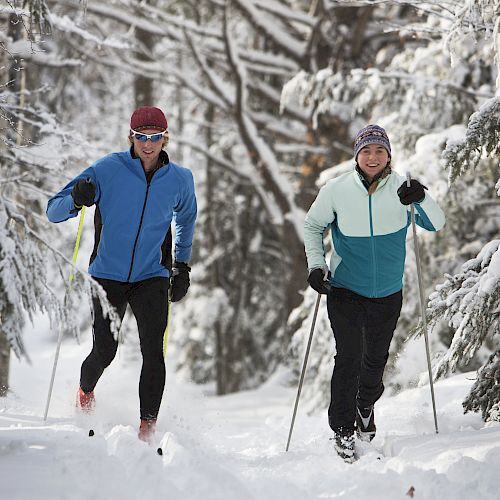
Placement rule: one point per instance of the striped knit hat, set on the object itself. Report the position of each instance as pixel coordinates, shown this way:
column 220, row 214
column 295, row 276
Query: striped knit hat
column 371, row 134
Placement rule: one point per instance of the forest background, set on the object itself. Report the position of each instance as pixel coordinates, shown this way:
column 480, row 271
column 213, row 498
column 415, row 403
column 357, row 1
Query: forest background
column 263, row 99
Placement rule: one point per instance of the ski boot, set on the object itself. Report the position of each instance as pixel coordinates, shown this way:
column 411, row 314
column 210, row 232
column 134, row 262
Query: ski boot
column 85, row 401
column 344, row 445
column 147, row 430
column 365, row 423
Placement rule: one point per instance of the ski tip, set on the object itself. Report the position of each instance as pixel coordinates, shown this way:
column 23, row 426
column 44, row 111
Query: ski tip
column 91, row 432
column 159, row 451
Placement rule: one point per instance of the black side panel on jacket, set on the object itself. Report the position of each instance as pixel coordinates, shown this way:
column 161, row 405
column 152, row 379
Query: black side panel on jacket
column 166, row 250
column 97, row 233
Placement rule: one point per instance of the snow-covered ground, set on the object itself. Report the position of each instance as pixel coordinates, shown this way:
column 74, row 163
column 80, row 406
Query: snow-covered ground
column 229, row 447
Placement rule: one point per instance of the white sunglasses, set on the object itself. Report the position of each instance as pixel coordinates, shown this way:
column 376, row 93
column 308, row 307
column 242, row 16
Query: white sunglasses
column 144, row 137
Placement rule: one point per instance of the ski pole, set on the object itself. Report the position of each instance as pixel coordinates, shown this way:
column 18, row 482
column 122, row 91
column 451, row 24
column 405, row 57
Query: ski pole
column 59, row 338
column 303, row 370
column 422, row 304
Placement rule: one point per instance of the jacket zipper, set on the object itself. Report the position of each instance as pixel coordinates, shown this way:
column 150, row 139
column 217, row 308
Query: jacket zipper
column 372, row 240
column 139, row 229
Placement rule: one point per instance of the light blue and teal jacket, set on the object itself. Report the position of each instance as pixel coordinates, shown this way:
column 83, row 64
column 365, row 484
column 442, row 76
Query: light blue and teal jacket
column 133, row 215
column 368, row 233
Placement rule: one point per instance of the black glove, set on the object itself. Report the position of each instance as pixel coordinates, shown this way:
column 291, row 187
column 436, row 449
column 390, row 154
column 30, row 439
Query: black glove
column 411, row 194
column 316, row 280
column 180, row 281
column 83, row 193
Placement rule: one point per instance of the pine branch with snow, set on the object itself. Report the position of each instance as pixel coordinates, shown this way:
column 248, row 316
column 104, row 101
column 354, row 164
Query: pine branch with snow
column 484, row 395
column 28, row 263
column 470, row 302
column 481, row 139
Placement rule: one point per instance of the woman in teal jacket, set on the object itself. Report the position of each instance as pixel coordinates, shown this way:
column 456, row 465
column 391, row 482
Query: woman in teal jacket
column 137, row 194
column 367, row 210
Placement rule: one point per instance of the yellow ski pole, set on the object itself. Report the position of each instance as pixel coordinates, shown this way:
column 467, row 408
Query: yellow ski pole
column 59, row 338
column 77, row 245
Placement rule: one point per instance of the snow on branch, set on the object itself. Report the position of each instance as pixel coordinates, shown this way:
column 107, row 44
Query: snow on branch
column 282, row 205
column 482, row 138
column 274, row 96
column 276, row 63
column 471, row 18
column 67, row 25
column 269, row 28
column 220, row 86
column 120, row 14
column 219, row 161
column 153, row 21
column 284, row 12
column 470, row 302
column 27, row 50
column 25, row 281
column 485, row 393
column 154, row 70
column 12, row 9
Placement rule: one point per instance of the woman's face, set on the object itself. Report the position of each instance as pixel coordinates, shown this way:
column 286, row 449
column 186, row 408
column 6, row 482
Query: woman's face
column 372, row 159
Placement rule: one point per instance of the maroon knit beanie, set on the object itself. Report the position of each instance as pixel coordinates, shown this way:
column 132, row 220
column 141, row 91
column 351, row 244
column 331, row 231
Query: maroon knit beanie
column 148, row 117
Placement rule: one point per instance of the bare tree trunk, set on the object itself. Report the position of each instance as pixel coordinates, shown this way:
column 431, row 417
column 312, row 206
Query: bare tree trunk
column 143, row 86
column 220, row 334
column 16, row 83
column 4, row 364
column 179, row 99
column 496, row 44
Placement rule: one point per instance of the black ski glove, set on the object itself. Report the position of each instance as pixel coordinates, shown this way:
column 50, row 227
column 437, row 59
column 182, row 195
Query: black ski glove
column 411, row 194
column 180, row 281
column 316, row 280
column 83, row 193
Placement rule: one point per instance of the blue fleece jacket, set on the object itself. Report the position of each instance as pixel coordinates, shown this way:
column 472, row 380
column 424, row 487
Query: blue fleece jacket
column 134, row 215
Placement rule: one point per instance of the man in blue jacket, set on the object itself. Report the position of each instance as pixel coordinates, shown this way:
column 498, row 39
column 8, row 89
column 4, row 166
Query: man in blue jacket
column 367, row 210
column 137, row 193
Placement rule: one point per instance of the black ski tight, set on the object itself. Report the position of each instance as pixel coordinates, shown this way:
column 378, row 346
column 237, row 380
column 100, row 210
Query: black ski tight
column 148, row 300
column 363, row 330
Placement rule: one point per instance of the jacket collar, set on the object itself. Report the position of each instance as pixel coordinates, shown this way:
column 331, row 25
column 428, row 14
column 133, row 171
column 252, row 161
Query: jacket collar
column 376, row 181
column 164, row 158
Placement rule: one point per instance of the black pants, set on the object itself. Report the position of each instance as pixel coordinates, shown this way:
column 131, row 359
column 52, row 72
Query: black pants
column 363, row 330
column 149, row 302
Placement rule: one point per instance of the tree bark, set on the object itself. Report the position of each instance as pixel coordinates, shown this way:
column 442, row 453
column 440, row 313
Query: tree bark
column 16, row 79
column 143, row 85
column 4, row 364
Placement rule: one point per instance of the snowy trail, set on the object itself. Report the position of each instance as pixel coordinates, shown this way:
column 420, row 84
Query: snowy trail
column 231, row 447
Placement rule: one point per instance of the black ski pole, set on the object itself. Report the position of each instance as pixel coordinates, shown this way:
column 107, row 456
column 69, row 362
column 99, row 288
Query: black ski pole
column 303, row 370
column 422, row 304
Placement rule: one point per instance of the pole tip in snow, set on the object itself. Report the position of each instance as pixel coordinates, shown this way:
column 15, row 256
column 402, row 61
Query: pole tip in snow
column 159, row 451
column 91, row 432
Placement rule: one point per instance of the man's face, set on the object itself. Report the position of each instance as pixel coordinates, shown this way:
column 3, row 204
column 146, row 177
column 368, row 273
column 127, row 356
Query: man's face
column 148, row 151
column 372, row 159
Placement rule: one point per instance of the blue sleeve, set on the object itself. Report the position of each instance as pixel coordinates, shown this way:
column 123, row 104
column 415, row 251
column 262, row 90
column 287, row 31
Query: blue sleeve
column 185, row 218
column 61, row 207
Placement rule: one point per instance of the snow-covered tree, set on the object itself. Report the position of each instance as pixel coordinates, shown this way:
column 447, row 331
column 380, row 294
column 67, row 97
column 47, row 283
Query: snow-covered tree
column 30, row 263
column 470, row 299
